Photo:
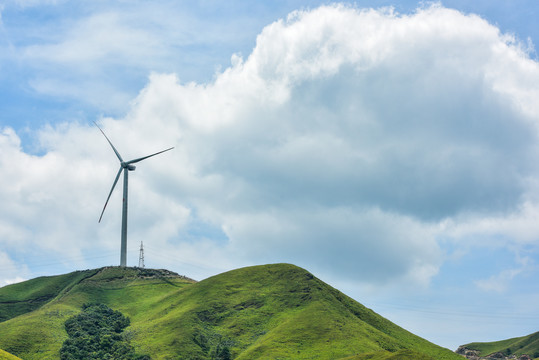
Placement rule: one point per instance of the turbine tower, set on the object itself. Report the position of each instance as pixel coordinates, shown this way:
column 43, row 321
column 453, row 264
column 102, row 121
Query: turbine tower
column 125, row 166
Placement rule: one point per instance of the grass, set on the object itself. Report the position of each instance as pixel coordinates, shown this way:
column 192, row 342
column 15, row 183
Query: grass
column 386, row 355
column 265, row 312
column 6, row 356
column 18, row 299
column 274, row 311
column 39, row 334
column 528, row 345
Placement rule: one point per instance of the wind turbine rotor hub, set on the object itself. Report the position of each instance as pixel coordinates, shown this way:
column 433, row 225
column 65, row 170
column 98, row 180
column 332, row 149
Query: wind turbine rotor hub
column 128, row 166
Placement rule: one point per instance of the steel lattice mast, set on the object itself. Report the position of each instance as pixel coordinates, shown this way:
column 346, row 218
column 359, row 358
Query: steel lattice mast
column 141, row 256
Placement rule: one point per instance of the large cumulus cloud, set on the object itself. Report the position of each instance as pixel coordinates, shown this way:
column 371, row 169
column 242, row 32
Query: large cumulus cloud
column 349, row 141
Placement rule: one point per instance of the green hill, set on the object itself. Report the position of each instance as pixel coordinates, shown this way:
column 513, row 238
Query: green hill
column 264, row 312
column 26, row 296
column 6, row 356
column 525, row 345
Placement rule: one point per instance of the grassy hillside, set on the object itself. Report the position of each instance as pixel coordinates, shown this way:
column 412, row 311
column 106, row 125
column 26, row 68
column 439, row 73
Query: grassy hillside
column 264, row 312
column 29, row 295
column 282, row 311
column 6, row 356
column 39, row 334
column 528, row 345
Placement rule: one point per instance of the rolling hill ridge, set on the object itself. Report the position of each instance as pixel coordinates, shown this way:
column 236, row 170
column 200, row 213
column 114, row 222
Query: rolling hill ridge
column 510, row 348
column 277, row 311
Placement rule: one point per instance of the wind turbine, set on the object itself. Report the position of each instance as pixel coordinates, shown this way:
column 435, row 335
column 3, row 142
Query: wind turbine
column 125, row 166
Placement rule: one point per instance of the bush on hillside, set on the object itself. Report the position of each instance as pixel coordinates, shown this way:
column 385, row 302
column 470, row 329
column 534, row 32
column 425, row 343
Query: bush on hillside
column 96, row 333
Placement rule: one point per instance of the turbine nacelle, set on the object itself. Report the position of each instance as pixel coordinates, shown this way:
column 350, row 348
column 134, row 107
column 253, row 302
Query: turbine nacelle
column 128, row 166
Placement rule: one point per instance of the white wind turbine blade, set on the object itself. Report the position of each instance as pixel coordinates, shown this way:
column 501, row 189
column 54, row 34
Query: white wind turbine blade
column 111, row 190
column 145, row 157
column 113, row 148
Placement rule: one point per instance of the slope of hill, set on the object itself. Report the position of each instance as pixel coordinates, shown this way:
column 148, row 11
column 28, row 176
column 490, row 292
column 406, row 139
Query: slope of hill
column 39, row 334
column 271, row 311
column 29, row 295
column 6, row 356
column 524, row 345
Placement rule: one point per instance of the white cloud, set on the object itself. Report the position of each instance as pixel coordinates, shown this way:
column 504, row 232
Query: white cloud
column 349, row 141
column 500, row 282
column 366, row 245
column 98, row 54
column 357, row 110
column 101, row 37
column 10, row 271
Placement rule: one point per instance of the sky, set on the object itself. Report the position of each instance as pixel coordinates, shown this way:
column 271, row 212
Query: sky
column 388, row 147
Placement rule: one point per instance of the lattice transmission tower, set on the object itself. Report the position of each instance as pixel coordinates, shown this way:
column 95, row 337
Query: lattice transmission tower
column 141, row 256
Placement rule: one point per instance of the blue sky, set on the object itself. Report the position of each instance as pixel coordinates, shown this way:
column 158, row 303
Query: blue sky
column 388, row 147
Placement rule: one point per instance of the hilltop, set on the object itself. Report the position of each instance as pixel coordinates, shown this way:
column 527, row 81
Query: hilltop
column 24, row 297
column 505, row 349
column 275, row 311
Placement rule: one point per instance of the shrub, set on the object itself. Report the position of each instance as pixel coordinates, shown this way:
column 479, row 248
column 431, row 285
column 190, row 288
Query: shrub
column 96, row 333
